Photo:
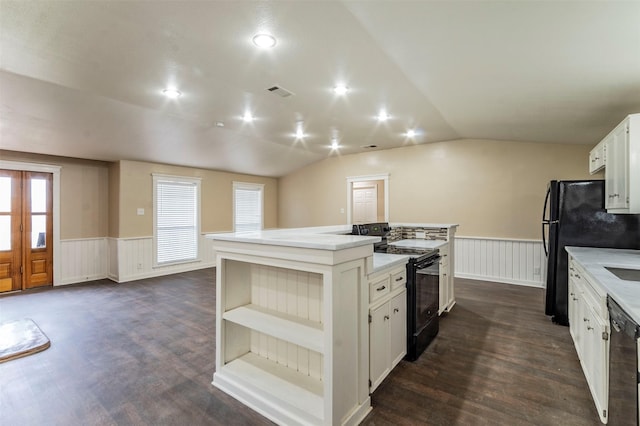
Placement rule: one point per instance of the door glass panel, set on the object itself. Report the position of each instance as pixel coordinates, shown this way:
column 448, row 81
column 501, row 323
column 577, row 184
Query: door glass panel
column 5, row 232
column 38, row 231
column 5, row 194
column 38, row 196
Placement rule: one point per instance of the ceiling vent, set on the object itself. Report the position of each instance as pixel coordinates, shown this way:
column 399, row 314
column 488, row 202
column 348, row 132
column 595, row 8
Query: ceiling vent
column 280, row 91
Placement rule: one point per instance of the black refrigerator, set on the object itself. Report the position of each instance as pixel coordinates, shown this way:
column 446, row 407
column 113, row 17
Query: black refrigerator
column 574, row 215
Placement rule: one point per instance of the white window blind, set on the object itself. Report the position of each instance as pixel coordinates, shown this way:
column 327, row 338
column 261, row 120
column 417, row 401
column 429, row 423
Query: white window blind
column 176, row 219
column 247, row 207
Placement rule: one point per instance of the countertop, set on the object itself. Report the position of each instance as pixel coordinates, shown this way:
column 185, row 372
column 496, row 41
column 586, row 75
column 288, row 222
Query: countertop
column 418, row 243
column 382, row 261
column 302, row 238
column 315, row 237
column 594, row 260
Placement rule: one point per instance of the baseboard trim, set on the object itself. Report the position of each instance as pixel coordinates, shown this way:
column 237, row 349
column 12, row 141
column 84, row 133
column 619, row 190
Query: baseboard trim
column 163, row 272
column 499, row 280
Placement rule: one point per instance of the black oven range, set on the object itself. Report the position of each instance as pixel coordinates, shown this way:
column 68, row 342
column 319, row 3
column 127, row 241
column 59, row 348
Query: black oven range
column 423, row 282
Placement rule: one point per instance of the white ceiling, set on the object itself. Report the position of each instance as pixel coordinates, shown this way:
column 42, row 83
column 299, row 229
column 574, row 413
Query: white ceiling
column 85, row 78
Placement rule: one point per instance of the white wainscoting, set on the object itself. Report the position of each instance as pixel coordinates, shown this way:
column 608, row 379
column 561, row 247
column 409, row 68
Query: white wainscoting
column 83, row 259
column 132, row 259
column 511, row 261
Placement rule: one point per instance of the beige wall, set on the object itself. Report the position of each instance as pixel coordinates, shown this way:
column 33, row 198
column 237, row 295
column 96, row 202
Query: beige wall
column 491, row 188
column 83, row 193
column 136, row 191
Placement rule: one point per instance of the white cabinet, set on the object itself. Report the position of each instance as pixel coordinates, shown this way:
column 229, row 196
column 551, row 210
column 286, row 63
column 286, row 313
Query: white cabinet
column 622, row 166
column 387, row 326
column 589, row 328
column 292, row 337
column 597, row 158
column 446, row 291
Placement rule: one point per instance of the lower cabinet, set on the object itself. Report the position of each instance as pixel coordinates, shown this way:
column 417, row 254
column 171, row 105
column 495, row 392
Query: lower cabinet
column 589, row 328
column 387, row 336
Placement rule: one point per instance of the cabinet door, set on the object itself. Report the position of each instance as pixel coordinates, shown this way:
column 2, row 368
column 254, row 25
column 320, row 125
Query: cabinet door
column 617, row 169
column 574, row 311
column 398, row 328
column 596, row 359
column 379, row 362
column 597, row 158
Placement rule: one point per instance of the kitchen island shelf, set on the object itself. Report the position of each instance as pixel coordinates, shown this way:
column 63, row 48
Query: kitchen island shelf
column 299, row 396
column 305, row 333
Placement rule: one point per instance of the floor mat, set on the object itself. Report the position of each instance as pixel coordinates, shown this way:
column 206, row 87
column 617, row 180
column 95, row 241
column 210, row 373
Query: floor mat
column 20, row 338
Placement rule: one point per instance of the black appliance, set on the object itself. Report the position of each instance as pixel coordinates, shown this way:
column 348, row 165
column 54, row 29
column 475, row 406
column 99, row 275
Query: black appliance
column 378, row 229
column 623, row 368
column 423, row 287
column 423, row 295
column 574, row 215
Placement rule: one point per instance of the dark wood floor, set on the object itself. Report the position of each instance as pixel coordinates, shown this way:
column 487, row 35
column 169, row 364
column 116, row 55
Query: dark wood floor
column 143, row 353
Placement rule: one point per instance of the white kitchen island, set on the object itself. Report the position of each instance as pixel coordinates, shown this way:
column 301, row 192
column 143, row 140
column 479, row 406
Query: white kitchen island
column 292, row 338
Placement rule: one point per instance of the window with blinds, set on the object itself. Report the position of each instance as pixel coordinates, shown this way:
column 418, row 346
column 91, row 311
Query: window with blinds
column 247, row 206
column 176, row 219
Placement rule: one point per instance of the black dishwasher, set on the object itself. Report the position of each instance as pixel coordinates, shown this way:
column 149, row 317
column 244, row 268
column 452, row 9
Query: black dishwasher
column 623, row 367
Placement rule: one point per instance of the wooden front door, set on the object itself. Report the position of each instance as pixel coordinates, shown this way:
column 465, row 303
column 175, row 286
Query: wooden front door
column 26, row 230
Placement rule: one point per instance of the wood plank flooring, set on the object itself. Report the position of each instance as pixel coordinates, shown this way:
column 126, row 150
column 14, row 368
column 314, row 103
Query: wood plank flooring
column 142, row 353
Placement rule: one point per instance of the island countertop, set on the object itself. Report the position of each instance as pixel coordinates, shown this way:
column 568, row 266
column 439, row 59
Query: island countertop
column 595, row 260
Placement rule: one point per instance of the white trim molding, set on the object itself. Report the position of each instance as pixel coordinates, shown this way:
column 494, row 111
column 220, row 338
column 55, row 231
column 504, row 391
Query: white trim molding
column 55, row 170
column 513, row 261
column 132, row 259
column 83, row 259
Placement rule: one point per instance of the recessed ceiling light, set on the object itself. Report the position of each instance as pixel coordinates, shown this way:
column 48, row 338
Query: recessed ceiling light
column 219, row 124
column 247, row 117
column 383, row 116
column 264, row 40
column 299, row 130
column 340, row 89
column 411, row 133
column 171, row 93
column 334, row 143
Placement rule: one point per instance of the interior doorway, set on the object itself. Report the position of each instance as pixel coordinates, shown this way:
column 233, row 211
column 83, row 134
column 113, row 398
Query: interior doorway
column 26, row 229
column 365, row 202
column 368, row 199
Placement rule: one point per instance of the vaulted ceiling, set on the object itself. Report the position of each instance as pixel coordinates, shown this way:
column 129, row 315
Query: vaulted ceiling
column 86, row 78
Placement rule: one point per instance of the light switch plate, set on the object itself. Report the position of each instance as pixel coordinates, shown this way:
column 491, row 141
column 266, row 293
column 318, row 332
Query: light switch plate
column 140, row 211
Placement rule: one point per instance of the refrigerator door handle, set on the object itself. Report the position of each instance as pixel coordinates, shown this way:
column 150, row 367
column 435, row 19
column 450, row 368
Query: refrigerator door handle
column 545, row 221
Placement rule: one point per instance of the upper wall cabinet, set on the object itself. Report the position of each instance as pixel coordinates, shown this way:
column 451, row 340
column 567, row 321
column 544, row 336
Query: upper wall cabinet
column 597, row 158
column 620, row 151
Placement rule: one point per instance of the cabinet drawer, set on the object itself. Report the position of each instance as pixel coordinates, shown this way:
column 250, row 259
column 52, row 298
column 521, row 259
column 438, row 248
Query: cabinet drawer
column 398, row 279
column 379, row 288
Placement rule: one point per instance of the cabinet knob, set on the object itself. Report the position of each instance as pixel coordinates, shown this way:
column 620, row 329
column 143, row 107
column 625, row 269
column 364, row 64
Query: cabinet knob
column 589, row 327
column 577, row 275
column 381, row 288
column 386, row 317
column 399, row 279
column 585, row 319
column 575, row 298
column 396, row 310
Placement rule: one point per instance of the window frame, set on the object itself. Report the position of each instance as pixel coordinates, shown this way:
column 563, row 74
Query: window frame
column 252, row 187
column 197, row 182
